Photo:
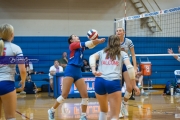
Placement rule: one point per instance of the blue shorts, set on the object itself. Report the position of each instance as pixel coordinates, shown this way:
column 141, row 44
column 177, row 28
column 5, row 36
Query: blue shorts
column 6, row 87
column 73, row 71
column 124, row 69
column 103, row 86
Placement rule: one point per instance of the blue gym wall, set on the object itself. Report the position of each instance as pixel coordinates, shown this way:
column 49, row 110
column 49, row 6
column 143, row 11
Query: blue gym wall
column 51, row 48
column 41, row 24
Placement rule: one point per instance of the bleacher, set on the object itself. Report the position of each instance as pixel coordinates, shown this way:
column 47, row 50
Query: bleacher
column 50, row 48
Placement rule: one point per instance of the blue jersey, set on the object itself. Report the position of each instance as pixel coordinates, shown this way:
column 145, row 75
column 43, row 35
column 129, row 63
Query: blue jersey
column 76, row 53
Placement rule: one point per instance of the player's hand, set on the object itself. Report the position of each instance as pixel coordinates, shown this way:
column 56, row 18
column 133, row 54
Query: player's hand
column 135, row 70
column 170, row 51
column 96, row 73
column 137, row 91
column 22, row 84
column 102, row 40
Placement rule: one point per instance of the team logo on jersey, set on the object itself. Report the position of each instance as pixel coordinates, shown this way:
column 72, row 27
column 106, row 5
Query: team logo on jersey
column 110, row 62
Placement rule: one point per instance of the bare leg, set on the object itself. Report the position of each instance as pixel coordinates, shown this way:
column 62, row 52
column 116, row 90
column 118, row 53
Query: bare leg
column 114, row 101
column 141, row 80
column 103, row 103
column 51, row 83
column 67, row 82
column 9, row 101
column 81, row 86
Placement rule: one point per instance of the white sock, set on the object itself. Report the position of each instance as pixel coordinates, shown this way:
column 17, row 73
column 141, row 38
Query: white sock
column 124, row 102
column 52, row 109
column 102, row 116
column 83, row 114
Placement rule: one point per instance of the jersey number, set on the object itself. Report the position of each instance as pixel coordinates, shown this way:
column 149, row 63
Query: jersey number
column 4, row 53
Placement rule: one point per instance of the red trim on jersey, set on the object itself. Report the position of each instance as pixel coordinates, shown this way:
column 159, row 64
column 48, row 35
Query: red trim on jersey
column 73, row 46
column 4, row 53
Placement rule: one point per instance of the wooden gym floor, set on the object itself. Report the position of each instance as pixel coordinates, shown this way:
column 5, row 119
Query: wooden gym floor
column 151, row 107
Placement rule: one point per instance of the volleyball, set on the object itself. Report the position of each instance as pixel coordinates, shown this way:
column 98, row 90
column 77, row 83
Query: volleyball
column 92, row 34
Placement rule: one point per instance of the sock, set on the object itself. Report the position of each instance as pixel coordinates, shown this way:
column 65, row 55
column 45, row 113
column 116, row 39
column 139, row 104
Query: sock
column 52, row 109
column 102, row 116
column 124, row 102
column 83, row 114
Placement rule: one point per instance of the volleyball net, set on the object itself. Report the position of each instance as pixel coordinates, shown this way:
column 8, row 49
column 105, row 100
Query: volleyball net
column 153, row 32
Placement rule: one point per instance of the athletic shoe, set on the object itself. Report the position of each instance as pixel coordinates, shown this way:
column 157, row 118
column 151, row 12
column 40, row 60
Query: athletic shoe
column 83, row 117
column 121, row 115
column 124, row 110
column 51, row 114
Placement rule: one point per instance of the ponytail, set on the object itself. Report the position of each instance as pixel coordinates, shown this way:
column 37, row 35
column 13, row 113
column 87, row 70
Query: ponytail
column 1, row 47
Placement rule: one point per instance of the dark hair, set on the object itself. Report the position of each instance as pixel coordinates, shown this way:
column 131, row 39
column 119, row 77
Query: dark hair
column 69, row 39
column 113, row 49
column 86, row 61
column 56, row 60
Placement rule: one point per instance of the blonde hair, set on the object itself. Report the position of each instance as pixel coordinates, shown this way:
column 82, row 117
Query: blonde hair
column 1, row 47
column 6, row 31
column 121, row 28
column 113, row 49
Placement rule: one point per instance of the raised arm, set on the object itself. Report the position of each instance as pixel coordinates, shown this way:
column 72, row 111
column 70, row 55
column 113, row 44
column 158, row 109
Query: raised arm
column 170, row 51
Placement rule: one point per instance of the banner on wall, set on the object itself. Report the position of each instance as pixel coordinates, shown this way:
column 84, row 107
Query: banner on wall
column 74, row 93
column 89, row 84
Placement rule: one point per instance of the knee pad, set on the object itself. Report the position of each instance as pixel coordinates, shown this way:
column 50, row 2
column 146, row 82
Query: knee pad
column 127, row 94
column 84, row 101
column 60, row 99
column 12, row 119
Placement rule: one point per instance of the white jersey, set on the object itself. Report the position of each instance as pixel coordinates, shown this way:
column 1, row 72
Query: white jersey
column 126, row 45
column 52, row 68
column 111, row 70
column 7, row 71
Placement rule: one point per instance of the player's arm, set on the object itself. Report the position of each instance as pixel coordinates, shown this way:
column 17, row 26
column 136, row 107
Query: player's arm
column 133, row 58
column 170, row 51
column 92, row 43
column 22, row 68
column 89, row 44
column 22, row 71
column 52, row 71
column 92, row 62
column 130, row 69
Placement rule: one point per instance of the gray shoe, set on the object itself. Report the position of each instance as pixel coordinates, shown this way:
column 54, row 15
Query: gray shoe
column 51, row 114
column 83, row 117
column 22, row 93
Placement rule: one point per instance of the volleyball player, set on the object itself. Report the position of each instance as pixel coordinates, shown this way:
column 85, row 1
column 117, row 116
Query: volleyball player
column 108, row 76
column 126, row 46
column 7, row 71
column 73, row 73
